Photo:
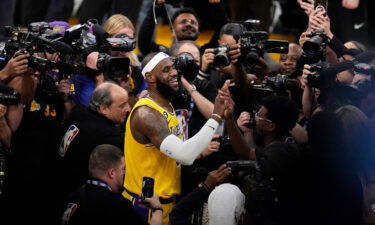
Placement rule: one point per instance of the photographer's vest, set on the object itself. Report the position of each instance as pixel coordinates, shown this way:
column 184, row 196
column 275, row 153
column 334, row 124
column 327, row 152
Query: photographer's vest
column 146, row 160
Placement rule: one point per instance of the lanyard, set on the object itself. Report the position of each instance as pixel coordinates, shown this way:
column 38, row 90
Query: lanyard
column 99, row 183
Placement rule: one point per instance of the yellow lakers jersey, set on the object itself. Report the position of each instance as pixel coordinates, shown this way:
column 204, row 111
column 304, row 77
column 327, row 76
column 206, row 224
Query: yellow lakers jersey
column 146, row 160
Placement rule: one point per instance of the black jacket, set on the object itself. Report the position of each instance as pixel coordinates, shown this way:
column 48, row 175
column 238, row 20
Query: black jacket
column 91, row 204
column 83, row 130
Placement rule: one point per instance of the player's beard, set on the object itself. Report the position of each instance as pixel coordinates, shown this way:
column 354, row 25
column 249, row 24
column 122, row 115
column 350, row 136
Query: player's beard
column 166, row 91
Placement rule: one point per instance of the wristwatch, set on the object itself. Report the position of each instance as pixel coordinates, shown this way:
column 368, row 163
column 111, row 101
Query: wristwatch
column 192, row 89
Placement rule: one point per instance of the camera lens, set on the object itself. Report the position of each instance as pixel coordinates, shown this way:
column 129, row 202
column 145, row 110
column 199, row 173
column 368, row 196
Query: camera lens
column 252, row 58
column 221, row 61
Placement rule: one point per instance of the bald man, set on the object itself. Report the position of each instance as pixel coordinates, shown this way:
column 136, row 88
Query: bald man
column 86, row 128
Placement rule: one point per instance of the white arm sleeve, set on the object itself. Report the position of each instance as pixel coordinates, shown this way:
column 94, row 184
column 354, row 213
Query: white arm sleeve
column 186, row 152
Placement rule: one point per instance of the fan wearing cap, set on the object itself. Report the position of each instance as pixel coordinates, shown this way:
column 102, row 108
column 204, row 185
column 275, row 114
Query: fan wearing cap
column 153, row 145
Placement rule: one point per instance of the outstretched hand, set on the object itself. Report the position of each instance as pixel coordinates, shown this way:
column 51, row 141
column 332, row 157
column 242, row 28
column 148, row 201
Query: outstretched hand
column 217, row 177
column 224, row 95
column 219, row 107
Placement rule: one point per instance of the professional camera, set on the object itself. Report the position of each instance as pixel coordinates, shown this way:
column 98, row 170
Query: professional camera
column 315, row 78
column 221, row 58
column 121, row 42
column 113, row 67
column 8, row 96
column 314, row 48
column 275, row 85
column 282, row 82
column 260, row 195
column 255, row 43
column 186, row 66
column 36, row 62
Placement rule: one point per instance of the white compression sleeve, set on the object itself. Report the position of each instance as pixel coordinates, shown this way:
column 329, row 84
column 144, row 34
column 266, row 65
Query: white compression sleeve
column 186, row 152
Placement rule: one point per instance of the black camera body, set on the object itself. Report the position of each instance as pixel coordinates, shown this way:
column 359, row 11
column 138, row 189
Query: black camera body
column 255, row 43
column 315, row 78
column 113, row 67
column 314, row 49
column 121, row 42
column 186, row 66
column 282, row 82
column 260, row 194
column 8, row 96
column 36, row 62
column 221, row 58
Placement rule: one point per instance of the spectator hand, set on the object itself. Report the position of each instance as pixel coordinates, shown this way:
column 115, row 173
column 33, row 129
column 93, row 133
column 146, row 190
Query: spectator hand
column 228, row 101
column 320, row 21
column 303, row 38
column 63, row 87
column 244, row 119
column 235, row 53
column 92, row 60
column 151, row 202
column 216, row 177
column 3, row 110
column 212, row 147
column 350, row 4
column 308, row 6
column 17, row 65
column 305, row 73
column 214, row 1
column 219, row 106
column 207, row 59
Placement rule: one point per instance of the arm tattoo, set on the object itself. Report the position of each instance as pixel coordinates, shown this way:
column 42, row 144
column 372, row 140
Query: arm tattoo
column 148, row 125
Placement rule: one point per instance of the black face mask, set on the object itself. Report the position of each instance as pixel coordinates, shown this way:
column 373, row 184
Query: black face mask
column 166, row 91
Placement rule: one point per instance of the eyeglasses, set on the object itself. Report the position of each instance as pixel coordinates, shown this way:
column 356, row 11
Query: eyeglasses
column 257, row 117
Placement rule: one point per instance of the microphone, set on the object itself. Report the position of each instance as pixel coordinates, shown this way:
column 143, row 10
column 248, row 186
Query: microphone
column 61, row 47
column 365, row 57
column 99, row 32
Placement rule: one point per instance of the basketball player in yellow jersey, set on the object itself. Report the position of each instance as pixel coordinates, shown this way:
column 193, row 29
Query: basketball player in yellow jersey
column 153, row 147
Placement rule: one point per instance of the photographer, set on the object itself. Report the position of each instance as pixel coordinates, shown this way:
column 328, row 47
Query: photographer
column 217, row 71
column 116, row 26
column 35, row 123
column 278, row 159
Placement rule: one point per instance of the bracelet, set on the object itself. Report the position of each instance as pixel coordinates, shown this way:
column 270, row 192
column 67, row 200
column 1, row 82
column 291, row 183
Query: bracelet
column 193, row 88
column 204, row 185
column 157, row 208
column 216, row 117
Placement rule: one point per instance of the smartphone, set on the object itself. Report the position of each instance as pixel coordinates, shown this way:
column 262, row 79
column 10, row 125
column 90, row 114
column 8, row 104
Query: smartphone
column 147, row 187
